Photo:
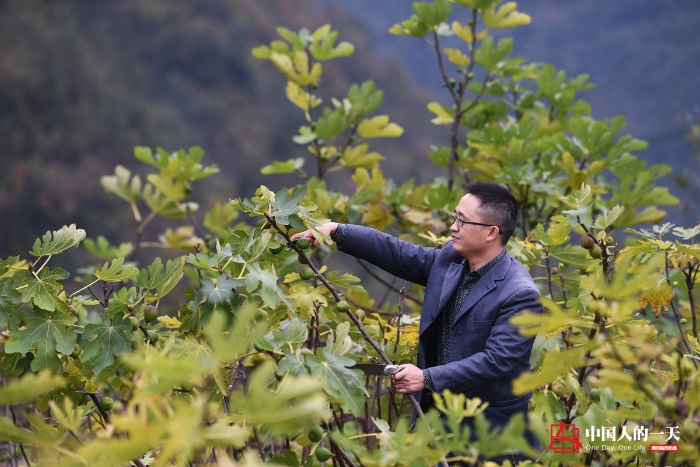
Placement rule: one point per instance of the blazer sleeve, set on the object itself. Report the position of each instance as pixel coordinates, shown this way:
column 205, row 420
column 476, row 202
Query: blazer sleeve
column 505, row 355
column 402, row 259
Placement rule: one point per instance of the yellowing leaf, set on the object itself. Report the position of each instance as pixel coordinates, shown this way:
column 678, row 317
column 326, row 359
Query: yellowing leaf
column 297, row 69
column 658, row 296
column 366, row 182
column 559, row 229
column 377, row 217
column 443, row 117
column 417, row 215
column 358, row 156
column 170, row 322
column 409, row 334
column 300, row 97
column 463, row 32
column 379, row 127
column 183, row 238
column 505, row 17
column 457, row 57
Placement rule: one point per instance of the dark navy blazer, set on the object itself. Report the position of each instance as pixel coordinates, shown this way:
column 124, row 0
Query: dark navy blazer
column 486, row 352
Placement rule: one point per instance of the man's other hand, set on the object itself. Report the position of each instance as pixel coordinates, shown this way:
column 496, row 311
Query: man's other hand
column 409, row 380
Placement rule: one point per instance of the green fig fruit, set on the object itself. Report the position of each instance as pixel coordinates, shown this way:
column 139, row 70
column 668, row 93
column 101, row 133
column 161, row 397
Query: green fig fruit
column 323, row 454
column 316, row 433
column 150, row 314
column 306, row 273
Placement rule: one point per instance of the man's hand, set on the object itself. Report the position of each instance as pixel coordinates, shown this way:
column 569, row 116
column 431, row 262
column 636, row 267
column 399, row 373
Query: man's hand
column 327, row 229
column 409, row 380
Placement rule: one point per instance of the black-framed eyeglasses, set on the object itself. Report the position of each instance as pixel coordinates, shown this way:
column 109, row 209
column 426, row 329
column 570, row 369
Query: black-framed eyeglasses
column 461, row 222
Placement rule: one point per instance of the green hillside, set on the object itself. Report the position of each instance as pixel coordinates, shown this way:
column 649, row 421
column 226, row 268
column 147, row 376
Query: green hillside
column 82, row 83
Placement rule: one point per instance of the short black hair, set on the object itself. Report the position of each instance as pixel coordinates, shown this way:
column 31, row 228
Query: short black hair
column 497, row 206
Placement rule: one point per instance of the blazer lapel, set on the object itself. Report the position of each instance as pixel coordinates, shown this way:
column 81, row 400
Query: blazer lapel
column 449, row 285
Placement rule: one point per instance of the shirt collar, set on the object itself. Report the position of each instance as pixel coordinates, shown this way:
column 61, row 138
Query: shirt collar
column 486, row 267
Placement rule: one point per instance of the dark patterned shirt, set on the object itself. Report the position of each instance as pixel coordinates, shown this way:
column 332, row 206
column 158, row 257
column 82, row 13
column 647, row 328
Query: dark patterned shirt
column 466, row 284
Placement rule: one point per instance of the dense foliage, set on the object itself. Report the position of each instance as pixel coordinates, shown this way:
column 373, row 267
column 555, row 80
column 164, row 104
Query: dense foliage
column 240, row 350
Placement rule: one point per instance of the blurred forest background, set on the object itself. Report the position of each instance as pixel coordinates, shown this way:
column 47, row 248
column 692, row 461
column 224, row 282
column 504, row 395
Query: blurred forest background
column 83, row 82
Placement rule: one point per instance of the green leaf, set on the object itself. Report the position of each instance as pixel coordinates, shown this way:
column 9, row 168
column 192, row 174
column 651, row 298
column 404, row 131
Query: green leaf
column 559, row 229
column 163, row 205
column 117, row 272
column 488, row 56
column 286, row 204
column 306, row 298
column 49, row 333
column 344, row 385
column 122, row 185
column 110, row 338
column 218, row 293
column 540, row 235
column 102, row 248
column 44, row 290
column 231, row 341
column 29, row 387
column 163, row 281
column 345, row 280
column 293, row 363
column 291, row 334
column 278, row 167
column 168, row 186
column 10, row 302
column 366, row 97
column 6, row 264
column 441, row 157
column 324, row 49
column 63, row 239
column 341, row 343
column 329, row 125
column 432, row 14
column 291, row 37
column 412, row 27
column 266, row 281
column 291, row 406
column 122, row 302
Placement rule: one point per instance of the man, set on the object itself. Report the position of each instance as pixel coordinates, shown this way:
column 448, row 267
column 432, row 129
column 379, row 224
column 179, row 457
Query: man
column 472, row 289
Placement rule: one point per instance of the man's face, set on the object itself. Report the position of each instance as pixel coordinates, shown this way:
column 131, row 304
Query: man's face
column 469, row 238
